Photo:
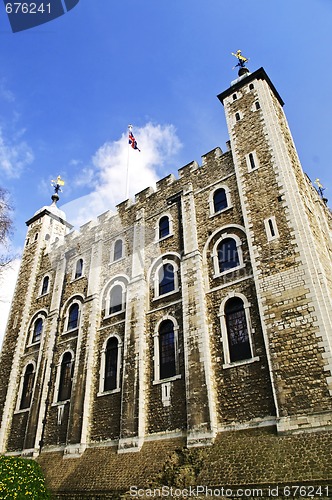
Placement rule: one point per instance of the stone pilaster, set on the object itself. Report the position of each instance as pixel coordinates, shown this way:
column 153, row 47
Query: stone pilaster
column 201, row 417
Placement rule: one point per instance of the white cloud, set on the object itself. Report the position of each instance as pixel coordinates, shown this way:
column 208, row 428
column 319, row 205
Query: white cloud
column 14, row 156
column 7, row 284
column 158, row 144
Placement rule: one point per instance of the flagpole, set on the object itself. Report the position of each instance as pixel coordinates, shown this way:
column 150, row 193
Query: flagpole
column 127, row 173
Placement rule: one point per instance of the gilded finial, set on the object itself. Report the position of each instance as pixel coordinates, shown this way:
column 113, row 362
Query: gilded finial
column 57, row 184
column 241, row 59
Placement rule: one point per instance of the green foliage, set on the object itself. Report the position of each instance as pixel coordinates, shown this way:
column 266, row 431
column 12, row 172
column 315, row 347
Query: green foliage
column 21, row 478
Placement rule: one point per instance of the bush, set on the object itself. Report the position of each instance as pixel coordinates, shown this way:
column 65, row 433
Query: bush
column 21, row 478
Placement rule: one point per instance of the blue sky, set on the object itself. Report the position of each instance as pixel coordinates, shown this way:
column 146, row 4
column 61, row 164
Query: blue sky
column 69, row 89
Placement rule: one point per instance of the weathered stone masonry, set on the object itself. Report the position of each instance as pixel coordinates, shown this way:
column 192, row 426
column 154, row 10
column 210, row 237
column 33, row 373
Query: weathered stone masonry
column 232, row 260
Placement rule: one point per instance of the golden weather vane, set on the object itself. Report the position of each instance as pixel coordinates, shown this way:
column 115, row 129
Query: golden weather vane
column 320, row 187
column 57, row 184
column 242, row 60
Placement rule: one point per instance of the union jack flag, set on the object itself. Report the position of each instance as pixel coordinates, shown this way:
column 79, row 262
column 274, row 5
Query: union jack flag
column 132, row 141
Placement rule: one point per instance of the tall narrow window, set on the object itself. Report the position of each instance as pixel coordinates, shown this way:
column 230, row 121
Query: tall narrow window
column 37, row 330
column 167, row 356
column 237, row 116
column 219, row 200
column 252, row 161
column 45, row 284
column 79, row 268
column 166, row 279
column 228, row 256
column 28, row 381
column 73, row 316
column 66, row 375
column 111, row 364
column 237, row 330
column 116, row 299
column 117, row 254
column 163, row 227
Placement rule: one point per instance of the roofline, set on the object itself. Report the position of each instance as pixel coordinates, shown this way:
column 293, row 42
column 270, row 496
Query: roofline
column 259, row 74
column 53, row 216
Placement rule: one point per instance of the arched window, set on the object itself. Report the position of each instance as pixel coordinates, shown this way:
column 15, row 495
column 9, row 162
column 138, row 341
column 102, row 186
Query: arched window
column 237, row 330
column 166, row 278
column 116, row 304
column 73, row 316
column 79, row 268
column 167, row 355
column 118, row 247
column 28, row 381
column 66, row 375
column 163, row 227
column 45, row 284
column 228, row 256
column 219, row 200
column 111, row 365
column 37, row 330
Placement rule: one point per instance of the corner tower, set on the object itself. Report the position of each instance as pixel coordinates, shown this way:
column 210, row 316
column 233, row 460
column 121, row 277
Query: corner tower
column 288, row 227
column 46, row 226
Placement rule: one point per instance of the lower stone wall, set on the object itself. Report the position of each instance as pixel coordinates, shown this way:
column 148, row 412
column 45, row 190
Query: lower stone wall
column 257, row 459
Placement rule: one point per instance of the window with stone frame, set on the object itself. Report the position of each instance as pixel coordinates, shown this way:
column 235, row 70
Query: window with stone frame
column 37, row 330
column 118, row 250
column 27, row 389
column 79, row 269
column 111, row 364
column 167, row 350
column 237, row 330
column 66, row 377
column 73, row 316
column 45, row 284
column 116, row 299
column 219, row 200
column 228, row 256
column 164, row 229
column 166, row 278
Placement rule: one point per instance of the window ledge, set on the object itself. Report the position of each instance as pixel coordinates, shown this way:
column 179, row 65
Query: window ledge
column 22, row 411
column 164, row 380
column 240, row 363
column 77, row 279
column 43, row 295
column 114, row 314
column 60, row 403
column 106, row 393
column 165, row 294
column 164, row 237
column 72, row 330
column 214, row 214
column 117, row 260
column 33, row 344
column 217, row 275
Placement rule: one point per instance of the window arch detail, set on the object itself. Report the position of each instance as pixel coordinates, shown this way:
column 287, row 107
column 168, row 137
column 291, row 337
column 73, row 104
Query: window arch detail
column 166, row 350
column 45, row 285
column 36, row 328
column 78, row 269
column 252, row 161
column 235, row 323
column 219, row 200
column 115, row 296
column 164, row 227
column 110, row 365
column 166, row 280
column 26, row 386
column 117, row 252
column 227, row 254
column 64, row 377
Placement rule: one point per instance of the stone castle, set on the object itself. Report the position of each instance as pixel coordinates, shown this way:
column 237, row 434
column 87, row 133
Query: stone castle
column 202, row 307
